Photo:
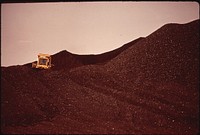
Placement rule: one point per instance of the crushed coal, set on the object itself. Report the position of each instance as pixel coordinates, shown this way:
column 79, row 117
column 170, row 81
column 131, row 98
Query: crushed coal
column 148, row 86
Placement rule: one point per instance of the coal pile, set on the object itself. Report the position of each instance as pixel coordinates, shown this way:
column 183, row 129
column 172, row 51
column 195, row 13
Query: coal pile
column 148, row 86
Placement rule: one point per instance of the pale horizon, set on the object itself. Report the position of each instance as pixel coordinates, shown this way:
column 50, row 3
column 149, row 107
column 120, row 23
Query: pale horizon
column 28, row 29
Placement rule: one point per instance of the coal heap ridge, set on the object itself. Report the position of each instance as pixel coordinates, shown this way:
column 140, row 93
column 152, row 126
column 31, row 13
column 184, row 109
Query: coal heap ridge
column 148, row 86
column 66, row 60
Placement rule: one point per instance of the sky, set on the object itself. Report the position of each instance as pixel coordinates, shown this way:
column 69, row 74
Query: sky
column 28, row 29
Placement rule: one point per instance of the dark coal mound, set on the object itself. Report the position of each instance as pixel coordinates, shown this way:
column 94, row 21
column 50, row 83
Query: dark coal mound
column 148, row 86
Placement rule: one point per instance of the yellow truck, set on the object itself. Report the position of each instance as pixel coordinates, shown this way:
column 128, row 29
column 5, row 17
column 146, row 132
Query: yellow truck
column 43, row 62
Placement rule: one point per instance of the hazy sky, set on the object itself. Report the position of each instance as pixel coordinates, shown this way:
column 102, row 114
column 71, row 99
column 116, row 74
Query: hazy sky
column 82, row 27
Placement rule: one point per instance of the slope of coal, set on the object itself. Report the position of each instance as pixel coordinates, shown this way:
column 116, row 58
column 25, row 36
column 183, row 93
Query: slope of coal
column 25, row 98
column 105, row 57
column 150, row 87
column 158, row 77
column 27, row 93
